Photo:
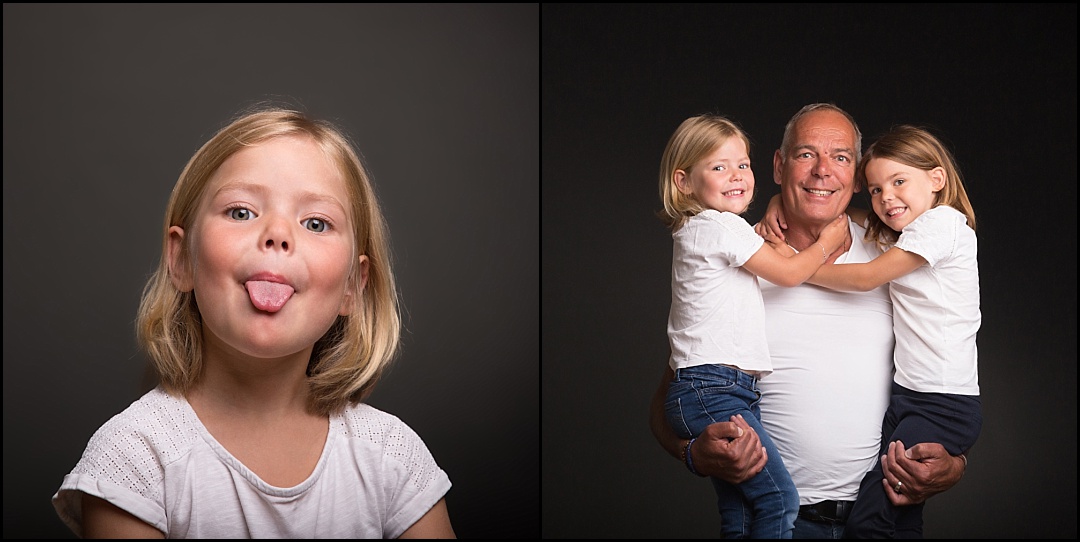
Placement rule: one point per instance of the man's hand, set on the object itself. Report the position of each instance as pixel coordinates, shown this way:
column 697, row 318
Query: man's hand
column 730, row 451
column 924, row 470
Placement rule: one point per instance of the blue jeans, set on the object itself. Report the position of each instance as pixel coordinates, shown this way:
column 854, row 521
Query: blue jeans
column 807, row 529
column 764, row 506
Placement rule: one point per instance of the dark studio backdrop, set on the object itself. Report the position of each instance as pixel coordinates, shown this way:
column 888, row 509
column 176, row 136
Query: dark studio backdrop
column 104, row 105
column 998, row 82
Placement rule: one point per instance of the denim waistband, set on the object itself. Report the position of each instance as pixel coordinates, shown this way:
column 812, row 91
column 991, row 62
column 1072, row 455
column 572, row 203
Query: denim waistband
column 712, row 370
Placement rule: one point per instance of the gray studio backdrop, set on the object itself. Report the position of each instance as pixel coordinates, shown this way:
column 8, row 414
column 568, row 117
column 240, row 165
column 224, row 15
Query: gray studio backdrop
column 103, row 106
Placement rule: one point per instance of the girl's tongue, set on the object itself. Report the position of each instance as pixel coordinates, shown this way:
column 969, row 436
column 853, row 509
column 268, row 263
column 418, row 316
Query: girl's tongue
column 268, row 296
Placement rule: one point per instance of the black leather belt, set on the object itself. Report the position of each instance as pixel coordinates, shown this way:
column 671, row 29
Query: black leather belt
column 826, row 511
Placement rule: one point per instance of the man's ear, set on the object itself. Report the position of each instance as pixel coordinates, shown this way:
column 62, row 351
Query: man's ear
column 777, row 166
column 347, row 304
column 180, row 272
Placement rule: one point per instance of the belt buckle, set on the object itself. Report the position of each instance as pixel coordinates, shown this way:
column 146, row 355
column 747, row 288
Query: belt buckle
column 829, row 510
column 822, row 512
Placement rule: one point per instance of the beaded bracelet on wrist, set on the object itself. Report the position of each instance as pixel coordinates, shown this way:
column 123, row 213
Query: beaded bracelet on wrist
column 689, row 459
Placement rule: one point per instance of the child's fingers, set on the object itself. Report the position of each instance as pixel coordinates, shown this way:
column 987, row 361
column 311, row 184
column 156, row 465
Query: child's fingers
column 776, row 228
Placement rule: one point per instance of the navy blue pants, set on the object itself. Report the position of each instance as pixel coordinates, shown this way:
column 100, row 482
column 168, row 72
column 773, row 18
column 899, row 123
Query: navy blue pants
column 954, row 421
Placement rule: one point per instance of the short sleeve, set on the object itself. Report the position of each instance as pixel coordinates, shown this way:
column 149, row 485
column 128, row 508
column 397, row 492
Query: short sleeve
column 725, row 234
column 119, row 468
column 413, row 481
column 933, row 235
column 124, row 461
column 421, row 484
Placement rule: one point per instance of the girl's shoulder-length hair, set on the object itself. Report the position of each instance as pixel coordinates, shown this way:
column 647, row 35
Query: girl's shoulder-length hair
column 348, row 360
column 917, row 147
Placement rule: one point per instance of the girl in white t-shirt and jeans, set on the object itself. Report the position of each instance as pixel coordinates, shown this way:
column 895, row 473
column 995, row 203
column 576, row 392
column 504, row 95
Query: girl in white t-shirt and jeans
column 925, row 223
column 716, row 326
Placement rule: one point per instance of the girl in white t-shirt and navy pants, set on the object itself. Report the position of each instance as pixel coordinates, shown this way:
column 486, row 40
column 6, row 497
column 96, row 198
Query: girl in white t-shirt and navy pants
column 923, row 218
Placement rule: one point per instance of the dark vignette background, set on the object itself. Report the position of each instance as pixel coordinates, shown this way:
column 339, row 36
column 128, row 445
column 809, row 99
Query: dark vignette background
column 997, row 81
column 103, row 106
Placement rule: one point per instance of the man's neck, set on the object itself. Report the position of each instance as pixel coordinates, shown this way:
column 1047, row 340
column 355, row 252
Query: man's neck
column 800, row 236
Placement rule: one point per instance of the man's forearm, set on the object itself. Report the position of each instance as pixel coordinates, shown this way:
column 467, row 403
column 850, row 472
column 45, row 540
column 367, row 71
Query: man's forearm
column 658, row 420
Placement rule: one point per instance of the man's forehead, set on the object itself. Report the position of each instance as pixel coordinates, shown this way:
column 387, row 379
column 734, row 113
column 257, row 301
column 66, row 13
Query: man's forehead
column 826, row 127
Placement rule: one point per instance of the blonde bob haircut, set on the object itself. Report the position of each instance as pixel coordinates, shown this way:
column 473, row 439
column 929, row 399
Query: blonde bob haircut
column 693, row 140
column 352, row 355
column 918, row 148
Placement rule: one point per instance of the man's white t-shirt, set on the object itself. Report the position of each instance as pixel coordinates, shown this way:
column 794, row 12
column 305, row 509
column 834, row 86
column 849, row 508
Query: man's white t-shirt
column 832, row 368
column 157, row 461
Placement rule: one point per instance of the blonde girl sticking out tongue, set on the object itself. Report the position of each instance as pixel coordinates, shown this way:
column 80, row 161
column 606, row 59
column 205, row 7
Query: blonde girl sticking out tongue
column 271, row 317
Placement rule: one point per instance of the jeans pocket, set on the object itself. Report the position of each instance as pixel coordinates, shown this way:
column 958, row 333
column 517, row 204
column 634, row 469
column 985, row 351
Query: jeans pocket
column 677, row 393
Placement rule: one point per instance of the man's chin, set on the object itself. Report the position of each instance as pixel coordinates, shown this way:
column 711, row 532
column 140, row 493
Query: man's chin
column 823, row 215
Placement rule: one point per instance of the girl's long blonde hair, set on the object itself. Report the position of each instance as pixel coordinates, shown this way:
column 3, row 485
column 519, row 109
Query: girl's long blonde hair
column 352, row 355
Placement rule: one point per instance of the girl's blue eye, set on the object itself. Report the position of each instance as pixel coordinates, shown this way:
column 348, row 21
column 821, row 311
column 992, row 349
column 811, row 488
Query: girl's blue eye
column 240, row 213
column 316, row 225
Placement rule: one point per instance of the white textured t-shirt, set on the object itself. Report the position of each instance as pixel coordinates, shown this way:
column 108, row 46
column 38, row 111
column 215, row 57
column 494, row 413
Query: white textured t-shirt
column 832, row 372
column 936, row 306
column 716, row 312
column 157, row 461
